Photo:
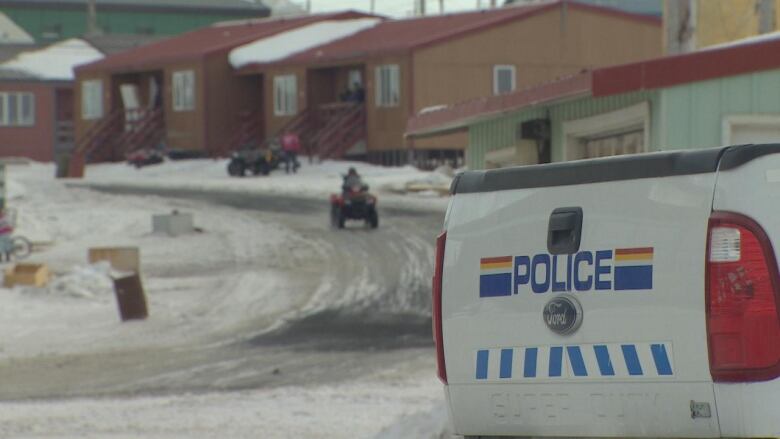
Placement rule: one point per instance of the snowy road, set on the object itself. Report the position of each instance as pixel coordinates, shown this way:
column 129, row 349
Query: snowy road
column 361, row 305
column 265, row 323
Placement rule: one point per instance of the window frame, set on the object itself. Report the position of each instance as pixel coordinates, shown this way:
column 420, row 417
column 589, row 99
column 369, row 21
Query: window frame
column 285, row 95
column 21, row 119
column 183, row 90
column 387, row 80
column 498, row 68
column 91, row 99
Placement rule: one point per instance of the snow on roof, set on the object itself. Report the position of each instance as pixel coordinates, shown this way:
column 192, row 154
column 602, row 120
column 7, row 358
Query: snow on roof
column 11, row 33
column 771, row 36
column 283, row 45
column 55, row 62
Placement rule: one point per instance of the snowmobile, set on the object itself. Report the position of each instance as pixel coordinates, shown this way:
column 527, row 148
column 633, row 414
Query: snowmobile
column 354, row 203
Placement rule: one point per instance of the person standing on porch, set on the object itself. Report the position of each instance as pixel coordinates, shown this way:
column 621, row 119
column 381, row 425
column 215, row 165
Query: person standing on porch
column 291, row 147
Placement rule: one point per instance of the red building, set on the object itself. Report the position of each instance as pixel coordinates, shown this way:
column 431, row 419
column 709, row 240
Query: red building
column 36, row 99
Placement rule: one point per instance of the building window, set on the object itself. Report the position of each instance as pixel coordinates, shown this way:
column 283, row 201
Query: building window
column 504, row 80
column 623, row 131
column 52, row 31
column 630, row 141
column 17, row 109
column 183, row 90
column 285, row 95
column 388, row 86
column 91, row 99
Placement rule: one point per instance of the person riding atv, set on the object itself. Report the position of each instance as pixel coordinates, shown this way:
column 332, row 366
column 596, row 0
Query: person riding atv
column 354, row 203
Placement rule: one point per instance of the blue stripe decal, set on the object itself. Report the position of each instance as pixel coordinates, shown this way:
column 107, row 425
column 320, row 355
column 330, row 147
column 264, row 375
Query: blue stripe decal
column 495, row 285
column 556, row 361
column 482, row 364
column 632, row 359
column 506, row 363
column 634, row 277
column 605, row 363
column 577, row 363
column 661, row 359
column 529, row 368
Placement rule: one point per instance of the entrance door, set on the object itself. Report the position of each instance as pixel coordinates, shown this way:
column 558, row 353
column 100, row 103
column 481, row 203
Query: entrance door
column 131, row 104
column 355, row 78
column 63, row 124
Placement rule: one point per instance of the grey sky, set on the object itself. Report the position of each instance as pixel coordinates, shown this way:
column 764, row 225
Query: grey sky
column 397, row 8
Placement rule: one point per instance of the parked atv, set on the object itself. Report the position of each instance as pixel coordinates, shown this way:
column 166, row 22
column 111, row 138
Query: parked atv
column 145, row 157
column 257, row 161
column 354, row 203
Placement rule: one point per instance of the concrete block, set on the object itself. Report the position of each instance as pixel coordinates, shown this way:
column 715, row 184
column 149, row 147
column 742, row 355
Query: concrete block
column 127, row 259
column 173, row 224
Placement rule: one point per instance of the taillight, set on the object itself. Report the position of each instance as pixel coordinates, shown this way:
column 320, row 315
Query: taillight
column 438, row 339
column 742, row 300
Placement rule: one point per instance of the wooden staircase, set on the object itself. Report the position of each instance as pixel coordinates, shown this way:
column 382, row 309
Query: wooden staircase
column 116, row 135
column 144, row 129
column 341, row 131
column 329, row 130
column 248, row 134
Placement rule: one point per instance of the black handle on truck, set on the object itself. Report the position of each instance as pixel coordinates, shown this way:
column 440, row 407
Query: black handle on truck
column 565, row 231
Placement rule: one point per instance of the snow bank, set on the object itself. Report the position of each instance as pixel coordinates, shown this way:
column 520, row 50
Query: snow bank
column 420, row 189
column 286, row 44
column 86, row 281
column 55, row 62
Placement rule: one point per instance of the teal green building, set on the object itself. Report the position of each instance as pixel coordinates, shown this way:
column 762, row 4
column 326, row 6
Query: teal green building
column 52, row 20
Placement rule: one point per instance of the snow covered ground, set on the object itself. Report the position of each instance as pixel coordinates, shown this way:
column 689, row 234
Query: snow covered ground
column 234, row 254
column 385, row 406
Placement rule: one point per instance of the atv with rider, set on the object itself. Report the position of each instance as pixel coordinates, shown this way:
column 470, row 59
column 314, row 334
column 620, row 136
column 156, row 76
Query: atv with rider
column 354, row 203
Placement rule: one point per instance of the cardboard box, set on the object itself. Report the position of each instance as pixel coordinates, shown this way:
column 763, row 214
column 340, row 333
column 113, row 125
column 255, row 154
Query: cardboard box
column 27, row 274
column 126, row 259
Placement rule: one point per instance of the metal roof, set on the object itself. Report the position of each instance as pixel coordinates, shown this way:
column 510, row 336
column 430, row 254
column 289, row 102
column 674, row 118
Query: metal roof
column 400, row 36
column 199, row 43
column 458, row 116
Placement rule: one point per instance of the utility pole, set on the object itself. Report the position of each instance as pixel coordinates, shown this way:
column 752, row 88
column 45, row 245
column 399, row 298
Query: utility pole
column 92, row 27
column 308, row 6
column 492, row 4
column 373, row 6
column 441, row 6
column 422, row 8
column 766, row 15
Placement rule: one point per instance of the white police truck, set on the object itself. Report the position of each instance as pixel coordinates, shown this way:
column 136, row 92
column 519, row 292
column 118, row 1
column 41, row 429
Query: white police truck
column 632, row 296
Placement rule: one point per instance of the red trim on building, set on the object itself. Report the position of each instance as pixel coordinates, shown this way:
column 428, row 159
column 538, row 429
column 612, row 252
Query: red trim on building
column 686, row 68
column 458, row 115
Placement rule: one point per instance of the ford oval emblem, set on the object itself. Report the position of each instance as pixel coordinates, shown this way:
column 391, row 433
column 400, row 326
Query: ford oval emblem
column 563, row 315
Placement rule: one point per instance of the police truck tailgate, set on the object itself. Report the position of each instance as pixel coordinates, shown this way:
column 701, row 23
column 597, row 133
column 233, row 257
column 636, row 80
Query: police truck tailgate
column 586, row 299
